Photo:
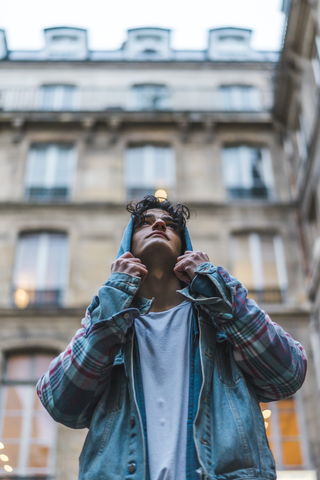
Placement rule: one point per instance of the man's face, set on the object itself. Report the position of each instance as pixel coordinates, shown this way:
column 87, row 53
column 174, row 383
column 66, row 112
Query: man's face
column 157, row 235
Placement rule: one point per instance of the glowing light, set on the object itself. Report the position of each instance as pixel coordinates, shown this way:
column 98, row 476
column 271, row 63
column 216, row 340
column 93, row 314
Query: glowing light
column 21, row 298
column 4, row 458
column 1, row 445
column 8, row 468
column 161, row 194
column 266, row 413
column 266, row 424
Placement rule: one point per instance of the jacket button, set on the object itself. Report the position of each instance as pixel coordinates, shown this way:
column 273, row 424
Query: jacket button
column 126, row 315
column 132, row 422
column 132, row 467
column 204, row 442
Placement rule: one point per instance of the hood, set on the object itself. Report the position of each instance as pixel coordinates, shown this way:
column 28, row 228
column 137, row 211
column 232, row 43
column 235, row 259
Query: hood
column 126, row 240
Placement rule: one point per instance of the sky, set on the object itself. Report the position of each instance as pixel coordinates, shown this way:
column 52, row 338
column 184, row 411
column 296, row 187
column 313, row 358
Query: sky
column 107, row 21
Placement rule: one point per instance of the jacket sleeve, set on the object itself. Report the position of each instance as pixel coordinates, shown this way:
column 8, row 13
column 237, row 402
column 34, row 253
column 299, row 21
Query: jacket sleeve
column 275, row 363
column 76, row 379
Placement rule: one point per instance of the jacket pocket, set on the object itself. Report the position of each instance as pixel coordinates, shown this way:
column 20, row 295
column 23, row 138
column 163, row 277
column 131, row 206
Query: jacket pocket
column 229, row 373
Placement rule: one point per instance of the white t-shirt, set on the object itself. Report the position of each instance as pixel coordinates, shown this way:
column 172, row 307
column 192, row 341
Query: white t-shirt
column 164, row 341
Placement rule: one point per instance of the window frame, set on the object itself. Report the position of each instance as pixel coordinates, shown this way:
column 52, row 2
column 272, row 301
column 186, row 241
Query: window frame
column 149, row 183
column 245, row 184
column 232, row 98
column 27, row 417
column 256, row 262
column 140, row 100
column 49, row 184
column 40, row 296
column 58, row 102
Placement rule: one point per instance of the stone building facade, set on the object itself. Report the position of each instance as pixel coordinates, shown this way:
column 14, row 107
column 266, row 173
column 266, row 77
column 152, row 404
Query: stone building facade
column 82, row 132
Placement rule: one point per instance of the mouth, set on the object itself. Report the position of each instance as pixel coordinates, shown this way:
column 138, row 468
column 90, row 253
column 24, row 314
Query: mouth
column 162, row 234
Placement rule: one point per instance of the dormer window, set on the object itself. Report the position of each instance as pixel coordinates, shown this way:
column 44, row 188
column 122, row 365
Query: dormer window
column 148, row 44
column 66, row 43
column 230, row 41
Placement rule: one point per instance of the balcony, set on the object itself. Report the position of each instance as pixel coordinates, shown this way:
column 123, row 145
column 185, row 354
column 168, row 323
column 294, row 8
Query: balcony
column 92, row 99
column 267, row 295
column 36, row 298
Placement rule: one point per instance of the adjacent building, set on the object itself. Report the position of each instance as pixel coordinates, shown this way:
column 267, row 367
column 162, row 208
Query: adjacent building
column 83, row 132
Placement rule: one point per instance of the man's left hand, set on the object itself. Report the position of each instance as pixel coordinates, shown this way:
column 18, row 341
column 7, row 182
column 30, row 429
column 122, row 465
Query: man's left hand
column 187, row 263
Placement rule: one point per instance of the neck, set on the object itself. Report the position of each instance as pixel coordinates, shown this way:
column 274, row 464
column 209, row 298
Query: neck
column 162, row 285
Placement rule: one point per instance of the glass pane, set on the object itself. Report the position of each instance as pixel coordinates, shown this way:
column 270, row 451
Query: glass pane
column 13, row 400
column 291, row 453
column 41, row 364
column 11, row 427
column 19, row 367
column 64, row 166
column 288, row 423
column 42, row 427
column 269, row 261
column 38, row 456
column 25, row 268
column 12, row 452
column 241, row 264
column 37, row 166
column 56, row 262
column 134, row 167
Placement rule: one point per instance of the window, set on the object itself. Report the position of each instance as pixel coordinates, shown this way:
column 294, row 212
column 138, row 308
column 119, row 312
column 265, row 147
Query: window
column 40, row 269
column 147, row 169
column 316, row 60
column 247, row 172
column 58, row 97
column 282, row 424
column 312, row 219
column 150, row 97
column 239, row 97
column 302, row 139
column 49, row 172
column 259, row 263
column 27, row 432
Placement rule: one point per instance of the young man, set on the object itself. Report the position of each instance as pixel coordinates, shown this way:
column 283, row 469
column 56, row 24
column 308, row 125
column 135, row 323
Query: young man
column 168, row 379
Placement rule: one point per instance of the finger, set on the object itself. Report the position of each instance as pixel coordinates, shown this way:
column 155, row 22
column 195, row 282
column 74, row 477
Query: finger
column 126, row 255
column 183, row 276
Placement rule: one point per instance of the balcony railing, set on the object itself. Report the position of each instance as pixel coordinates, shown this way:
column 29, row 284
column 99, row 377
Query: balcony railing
column 116, row 99
column 267, row 295
column 42, row 194
column 37, row 298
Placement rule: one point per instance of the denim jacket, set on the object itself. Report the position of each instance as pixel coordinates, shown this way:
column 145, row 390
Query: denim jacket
column 239, row 357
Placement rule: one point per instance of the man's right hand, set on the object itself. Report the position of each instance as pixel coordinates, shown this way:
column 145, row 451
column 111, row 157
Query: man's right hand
column 131, row 265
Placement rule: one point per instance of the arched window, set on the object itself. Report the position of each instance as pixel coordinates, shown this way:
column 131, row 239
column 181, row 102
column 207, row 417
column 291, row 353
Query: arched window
column 150, row 97
column 58, row 97
column 283, row 427
column 149, row 168
column 40, row 269
column 258, row 261
column 247, row 172
column 49, row 172
column 27, row 432
column 239, row 98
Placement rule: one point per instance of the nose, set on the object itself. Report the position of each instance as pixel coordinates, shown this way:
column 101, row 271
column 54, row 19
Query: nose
column 159, row 225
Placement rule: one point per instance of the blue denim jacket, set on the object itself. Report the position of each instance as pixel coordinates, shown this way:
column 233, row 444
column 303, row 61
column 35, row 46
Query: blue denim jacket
column 96, row 382
column 228, row 429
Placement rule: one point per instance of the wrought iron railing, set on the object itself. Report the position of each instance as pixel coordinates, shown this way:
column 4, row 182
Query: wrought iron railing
column 36, row 298
column 121, row 99
column 267, row 295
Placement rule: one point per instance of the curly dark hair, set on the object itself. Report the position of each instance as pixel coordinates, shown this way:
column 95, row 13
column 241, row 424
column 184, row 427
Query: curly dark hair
column 179, row 212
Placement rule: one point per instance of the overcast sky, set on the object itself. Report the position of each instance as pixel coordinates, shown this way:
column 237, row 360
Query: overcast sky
column 107, row 21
